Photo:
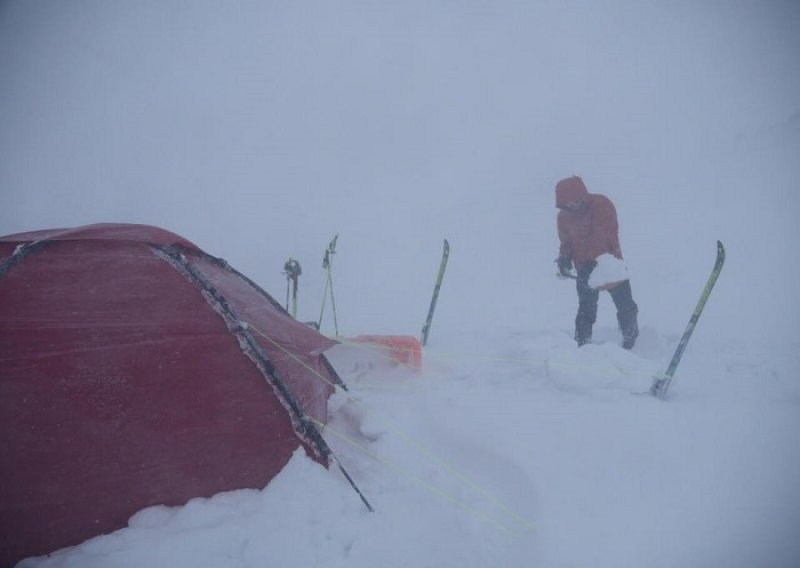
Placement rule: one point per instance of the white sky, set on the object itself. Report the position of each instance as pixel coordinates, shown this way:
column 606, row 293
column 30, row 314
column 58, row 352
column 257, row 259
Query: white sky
column 260, row 129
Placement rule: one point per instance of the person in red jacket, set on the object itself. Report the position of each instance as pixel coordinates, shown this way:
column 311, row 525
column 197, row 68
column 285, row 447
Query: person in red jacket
column 587, row 229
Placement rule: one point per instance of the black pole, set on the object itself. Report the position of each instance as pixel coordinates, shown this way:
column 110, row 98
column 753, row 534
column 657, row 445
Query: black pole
column 292, row 271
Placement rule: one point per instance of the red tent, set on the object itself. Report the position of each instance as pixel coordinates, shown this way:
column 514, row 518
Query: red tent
column 137, row 370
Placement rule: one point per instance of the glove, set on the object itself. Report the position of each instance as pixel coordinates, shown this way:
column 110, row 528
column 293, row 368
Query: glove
column 564, row 266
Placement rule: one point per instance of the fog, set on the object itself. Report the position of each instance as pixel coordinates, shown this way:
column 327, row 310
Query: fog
column 259, row 130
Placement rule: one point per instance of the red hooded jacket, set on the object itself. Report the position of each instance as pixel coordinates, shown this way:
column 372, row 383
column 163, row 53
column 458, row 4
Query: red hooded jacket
column 589, row 231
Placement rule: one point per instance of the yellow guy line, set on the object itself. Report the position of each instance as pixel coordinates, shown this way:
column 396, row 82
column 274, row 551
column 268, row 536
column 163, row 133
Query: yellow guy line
column 432, row 488
column 397, row 429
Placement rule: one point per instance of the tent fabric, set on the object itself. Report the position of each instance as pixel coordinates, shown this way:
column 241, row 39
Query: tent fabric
column 136, row 370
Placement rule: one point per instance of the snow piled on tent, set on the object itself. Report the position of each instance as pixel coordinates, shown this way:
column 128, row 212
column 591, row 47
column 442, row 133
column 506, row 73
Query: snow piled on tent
column 515, row 449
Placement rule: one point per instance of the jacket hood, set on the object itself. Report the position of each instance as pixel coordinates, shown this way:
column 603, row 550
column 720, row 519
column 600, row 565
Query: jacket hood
column 570, row 189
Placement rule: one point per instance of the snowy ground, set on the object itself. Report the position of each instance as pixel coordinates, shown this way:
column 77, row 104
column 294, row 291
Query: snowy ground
column 516, row 449
column 258, row 130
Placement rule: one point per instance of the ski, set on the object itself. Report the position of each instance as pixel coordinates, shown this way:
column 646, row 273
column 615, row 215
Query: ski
column 439, row 277
column 661, row 383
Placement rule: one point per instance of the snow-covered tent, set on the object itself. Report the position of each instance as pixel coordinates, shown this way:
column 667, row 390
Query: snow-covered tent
column 136, row 370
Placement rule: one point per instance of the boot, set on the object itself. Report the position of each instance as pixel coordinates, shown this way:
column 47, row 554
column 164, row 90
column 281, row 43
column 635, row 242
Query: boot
column 583, row 333
column 629, row 326
column 627, row 311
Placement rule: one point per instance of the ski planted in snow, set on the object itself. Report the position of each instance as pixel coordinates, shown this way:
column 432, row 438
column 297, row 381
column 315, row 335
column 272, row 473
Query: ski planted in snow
column 661, row 383
column 439, row 277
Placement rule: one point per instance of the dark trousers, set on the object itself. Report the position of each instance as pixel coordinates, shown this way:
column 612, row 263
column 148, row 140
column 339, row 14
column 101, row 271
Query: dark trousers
column 622, row 295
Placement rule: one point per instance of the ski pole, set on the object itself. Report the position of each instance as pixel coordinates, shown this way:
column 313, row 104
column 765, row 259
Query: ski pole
column 327, row 263
column 292, row 271
column 333, row 301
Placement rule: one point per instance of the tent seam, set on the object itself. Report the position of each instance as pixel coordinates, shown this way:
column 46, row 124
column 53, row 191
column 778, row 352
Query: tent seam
column 302, row 425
